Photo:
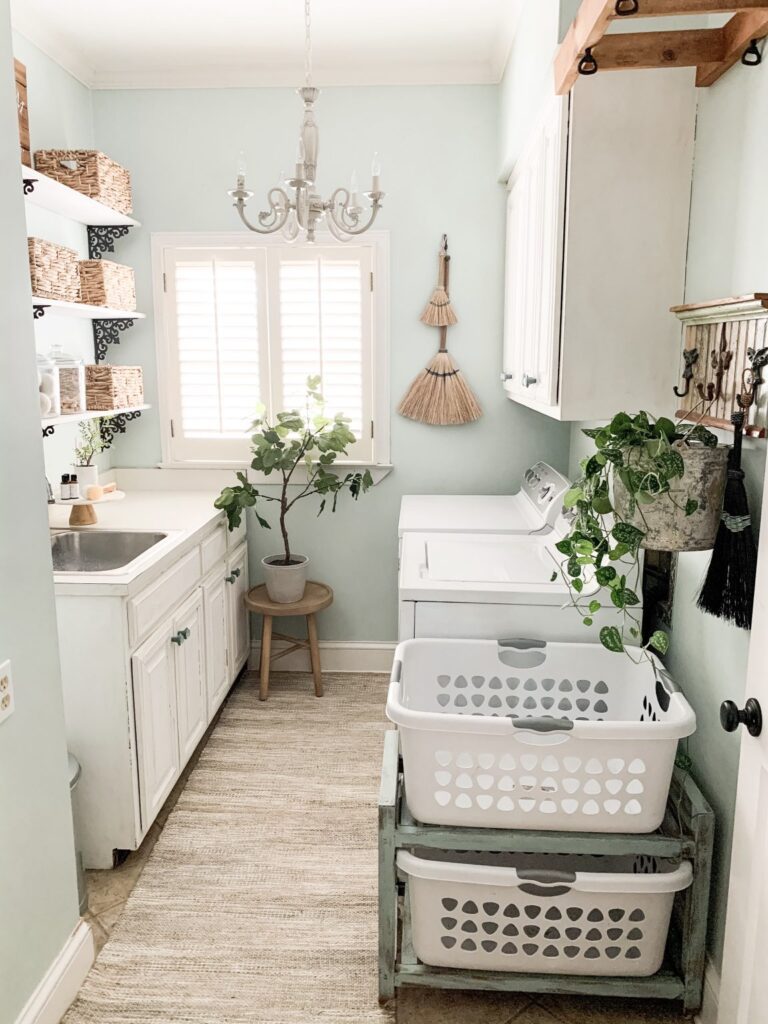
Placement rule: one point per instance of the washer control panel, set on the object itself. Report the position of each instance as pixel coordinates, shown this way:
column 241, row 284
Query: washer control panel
column 544, row 487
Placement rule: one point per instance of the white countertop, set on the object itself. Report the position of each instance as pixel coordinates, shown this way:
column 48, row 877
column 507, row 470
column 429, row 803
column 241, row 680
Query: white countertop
column 185, row 516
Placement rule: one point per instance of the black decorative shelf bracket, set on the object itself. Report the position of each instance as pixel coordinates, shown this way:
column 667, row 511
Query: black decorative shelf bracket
column 112, row 425
column 48, row 431
column 28, row 184
column 102, row 238
column 106, row 333
column 38, row 310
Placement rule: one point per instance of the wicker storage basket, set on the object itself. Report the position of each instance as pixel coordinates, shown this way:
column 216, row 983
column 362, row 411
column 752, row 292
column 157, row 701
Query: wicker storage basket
column 103, row 283
column 53, row 270
column 113, row 387
column 89, row 172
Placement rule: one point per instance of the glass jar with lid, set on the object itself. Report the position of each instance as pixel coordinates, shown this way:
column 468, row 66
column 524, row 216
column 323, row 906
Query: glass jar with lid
column 48, row 386
column 71, row 377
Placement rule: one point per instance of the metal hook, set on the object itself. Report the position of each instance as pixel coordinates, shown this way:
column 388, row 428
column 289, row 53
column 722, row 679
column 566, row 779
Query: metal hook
column 444, row 245
column 690, row 357
column 587, row 65
column 751, row 377
column 624, row 7
column 752, row 55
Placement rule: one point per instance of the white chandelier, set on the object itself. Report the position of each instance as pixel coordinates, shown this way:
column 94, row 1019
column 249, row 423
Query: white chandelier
column 294, row 205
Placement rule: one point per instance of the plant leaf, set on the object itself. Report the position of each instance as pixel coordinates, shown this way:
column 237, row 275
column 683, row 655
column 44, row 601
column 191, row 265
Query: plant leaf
column 659, row 641
column 610, row 638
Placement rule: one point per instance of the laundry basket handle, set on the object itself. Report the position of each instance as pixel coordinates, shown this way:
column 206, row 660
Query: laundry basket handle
column 534, row 724
column 521, row 643
column 547, row 876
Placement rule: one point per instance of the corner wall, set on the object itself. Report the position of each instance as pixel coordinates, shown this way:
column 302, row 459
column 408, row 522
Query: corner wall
column 38, row 889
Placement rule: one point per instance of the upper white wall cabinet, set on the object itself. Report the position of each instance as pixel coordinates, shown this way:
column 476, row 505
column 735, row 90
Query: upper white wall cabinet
column 597, row 223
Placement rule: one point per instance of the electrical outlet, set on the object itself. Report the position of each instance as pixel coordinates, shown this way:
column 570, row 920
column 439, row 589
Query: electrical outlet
column 6, row 691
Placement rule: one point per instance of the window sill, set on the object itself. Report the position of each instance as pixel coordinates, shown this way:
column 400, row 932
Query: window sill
column 196, row 474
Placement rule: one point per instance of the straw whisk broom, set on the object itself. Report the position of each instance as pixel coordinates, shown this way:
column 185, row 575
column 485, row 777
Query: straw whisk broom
column 439, row 395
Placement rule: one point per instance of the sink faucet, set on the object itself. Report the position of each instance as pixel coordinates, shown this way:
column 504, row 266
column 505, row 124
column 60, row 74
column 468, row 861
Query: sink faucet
column 49, row 492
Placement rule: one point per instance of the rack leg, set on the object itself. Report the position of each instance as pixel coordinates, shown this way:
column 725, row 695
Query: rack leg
column 696, row 915
column 387, row 904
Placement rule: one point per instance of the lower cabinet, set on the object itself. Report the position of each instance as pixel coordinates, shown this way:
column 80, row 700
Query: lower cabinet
column 217, row 643
column 157, row 737
column 239, row 623
column 144, row 672
column 188, row 639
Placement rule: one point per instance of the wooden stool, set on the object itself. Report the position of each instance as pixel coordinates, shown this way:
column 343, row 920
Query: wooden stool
column 316, row 597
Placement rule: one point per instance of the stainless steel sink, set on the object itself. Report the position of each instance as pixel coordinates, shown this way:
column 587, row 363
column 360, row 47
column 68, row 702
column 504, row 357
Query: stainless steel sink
column 99, row 550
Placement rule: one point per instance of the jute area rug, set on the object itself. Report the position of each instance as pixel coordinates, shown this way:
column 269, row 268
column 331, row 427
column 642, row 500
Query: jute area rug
column 258, row 902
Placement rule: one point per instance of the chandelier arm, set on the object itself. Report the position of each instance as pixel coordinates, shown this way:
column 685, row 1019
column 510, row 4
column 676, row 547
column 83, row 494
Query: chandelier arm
column 360, row 228
column 271, row 220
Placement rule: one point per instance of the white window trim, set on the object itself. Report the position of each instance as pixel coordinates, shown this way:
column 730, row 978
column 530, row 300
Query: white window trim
column 379, row 243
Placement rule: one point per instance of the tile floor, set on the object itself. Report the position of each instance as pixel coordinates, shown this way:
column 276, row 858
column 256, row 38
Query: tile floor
column 108, row 891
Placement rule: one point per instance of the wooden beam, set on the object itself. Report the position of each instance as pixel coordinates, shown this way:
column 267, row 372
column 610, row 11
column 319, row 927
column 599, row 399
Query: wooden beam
column 664, row 8
column 634, row 50
column 587, row 28
column 737, row 35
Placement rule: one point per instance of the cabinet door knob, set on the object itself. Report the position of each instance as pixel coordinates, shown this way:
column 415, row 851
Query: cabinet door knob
column 751, row 716
column 185, row 633
column 504, row 377
column 527, row 381
column 230, row 579
column 178, row 638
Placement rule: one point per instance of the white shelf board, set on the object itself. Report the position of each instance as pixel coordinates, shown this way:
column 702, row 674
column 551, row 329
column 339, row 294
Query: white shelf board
column 52, row 195
column 91, row 414
column 81, row 309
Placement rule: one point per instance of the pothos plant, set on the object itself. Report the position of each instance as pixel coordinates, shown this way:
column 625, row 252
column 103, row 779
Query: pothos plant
column 602, row 546
column 312, row 440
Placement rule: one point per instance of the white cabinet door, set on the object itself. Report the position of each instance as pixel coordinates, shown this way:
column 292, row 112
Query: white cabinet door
column 188, row 640
column 154, row 696
column 534, row 262
column 215, row 598
column 239, row 620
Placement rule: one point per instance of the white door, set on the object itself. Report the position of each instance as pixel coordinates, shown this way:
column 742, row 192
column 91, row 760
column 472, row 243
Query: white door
column 744, row 983
column 215, row 597
column 239, row 620
column 154, row 698
column 536, row 210
column 188, row 640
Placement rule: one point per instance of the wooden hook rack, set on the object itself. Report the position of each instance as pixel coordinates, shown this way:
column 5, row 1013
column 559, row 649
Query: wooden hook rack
column 712, row 51
column 725, row 350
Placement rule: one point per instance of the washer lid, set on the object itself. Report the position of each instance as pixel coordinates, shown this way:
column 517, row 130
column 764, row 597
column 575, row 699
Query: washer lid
column 492, row 568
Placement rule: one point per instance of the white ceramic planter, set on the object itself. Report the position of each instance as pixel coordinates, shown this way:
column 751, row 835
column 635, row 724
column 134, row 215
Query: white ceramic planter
column 285, row 583
column 86, row 476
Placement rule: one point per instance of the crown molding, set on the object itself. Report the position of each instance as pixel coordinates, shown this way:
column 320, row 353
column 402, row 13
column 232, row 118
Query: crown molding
column 53, row 46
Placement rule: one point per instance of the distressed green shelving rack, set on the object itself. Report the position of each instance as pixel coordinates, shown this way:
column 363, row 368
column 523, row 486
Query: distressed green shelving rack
column 686, row 834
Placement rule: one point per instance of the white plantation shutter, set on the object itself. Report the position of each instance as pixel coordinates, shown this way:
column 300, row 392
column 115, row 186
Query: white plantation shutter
column 322, row 325
column 249, row 325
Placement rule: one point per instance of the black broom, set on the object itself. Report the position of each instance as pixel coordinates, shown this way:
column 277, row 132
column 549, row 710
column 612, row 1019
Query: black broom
column 729, row 588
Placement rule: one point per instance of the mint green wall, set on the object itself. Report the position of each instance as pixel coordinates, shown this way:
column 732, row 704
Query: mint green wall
column 61, row 117
column 727, row 255
column 440, row 167
column 38, row 891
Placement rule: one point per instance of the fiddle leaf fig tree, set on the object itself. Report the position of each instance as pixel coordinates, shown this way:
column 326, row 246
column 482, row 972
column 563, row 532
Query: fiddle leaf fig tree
column 601, row 562
column 312, row 440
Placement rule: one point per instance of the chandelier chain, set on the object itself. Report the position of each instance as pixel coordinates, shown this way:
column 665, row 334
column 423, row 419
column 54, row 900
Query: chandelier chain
column 307, row 44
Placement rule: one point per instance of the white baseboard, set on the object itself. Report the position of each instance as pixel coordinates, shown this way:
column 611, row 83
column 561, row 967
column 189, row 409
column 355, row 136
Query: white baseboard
column 335, row 656
column 56, row 992
column 709, row 1008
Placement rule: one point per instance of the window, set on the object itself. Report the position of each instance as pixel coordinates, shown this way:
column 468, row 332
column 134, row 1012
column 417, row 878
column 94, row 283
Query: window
column 243, row 322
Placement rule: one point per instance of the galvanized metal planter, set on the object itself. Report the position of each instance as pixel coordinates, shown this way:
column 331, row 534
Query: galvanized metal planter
column 686, row 834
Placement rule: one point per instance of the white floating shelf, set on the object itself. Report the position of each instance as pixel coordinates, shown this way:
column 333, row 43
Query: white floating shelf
column 91, row 414
column 52, row 195
column 85, row 311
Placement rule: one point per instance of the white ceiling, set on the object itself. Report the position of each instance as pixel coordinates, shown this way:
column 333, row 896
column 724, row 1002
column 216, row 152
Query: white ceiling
column 198, row 43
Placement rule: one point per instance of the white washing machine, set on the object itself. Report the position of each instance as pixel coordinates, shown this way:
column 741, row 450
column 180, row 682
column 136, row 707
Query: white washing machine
column 485, row 586
column 533, row 509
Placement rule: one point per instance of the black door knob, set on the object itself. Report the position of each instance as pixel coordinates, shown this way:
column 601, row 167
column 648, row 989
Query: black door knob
column 751, row 716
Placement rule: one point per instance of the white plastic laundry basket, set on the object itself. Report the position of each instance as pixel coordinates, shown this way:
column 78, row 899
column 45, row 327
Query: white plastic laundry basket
column 544, row 914
column 528, row 734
